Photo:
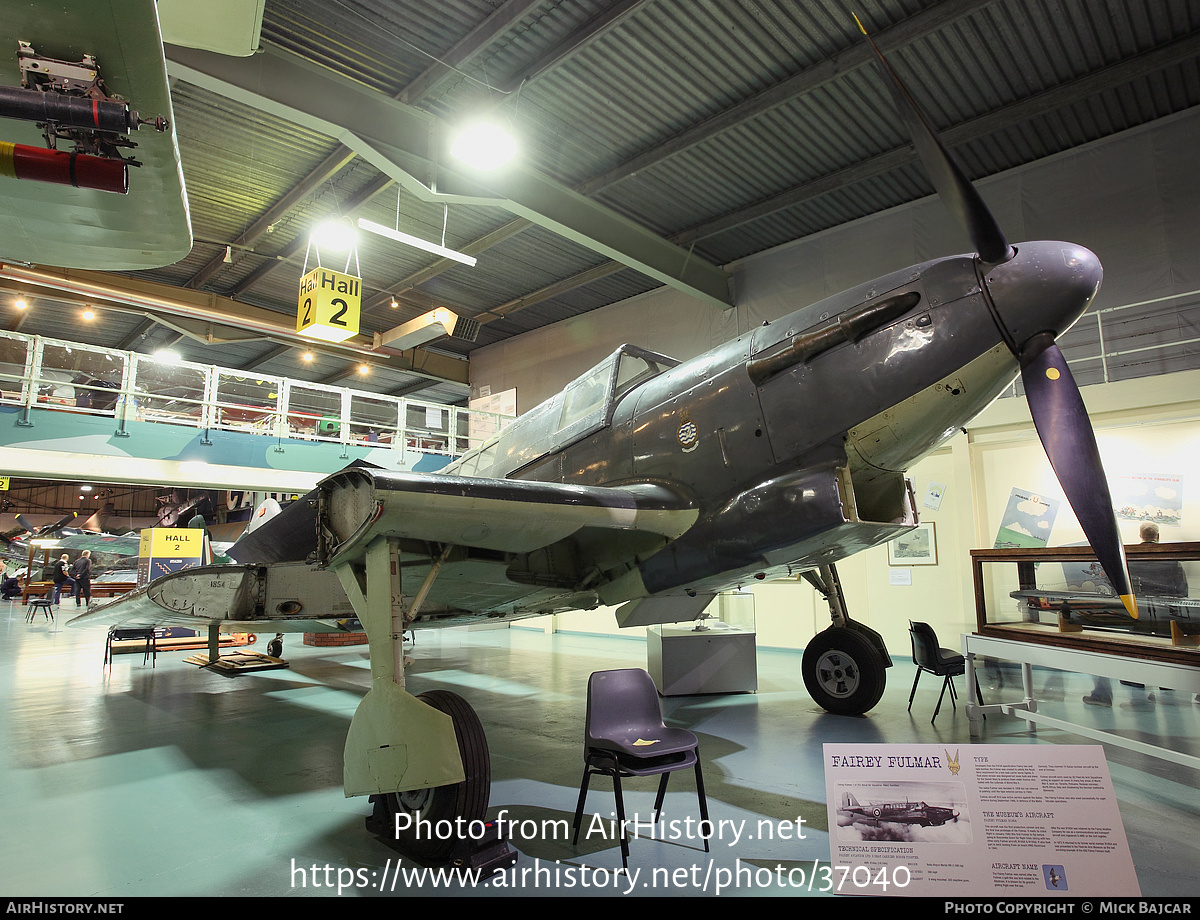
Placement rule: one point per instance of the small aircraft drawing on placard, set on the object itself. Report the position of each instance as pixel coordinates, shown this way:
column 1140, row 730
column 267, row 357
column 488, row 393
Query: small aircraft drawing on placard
column 650, row 485
column 851, row 811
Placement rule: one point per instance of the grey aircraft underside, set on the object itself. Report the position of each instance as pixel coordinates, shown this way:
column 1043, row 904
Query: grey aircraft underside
column 650, row 485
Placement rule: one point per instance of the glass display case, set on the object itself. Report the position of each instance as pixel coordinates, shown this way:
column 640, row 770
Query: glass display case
column 714, row 653
column 1060, row 597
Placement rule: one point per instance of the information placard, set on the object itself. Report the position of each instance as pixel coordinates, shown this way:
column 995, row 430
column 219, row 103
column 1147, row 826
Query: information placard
column 999, row 820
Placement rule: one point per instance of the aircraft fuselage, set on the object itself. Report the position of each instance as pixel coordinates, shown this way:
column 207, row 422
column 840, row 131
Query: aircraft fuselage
column 793, row 438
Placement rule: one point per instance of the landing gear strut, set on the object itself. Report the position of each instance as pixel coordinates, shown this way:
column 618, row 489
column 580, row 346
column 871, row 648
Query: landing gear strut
column 423, row 760
column 845, row 666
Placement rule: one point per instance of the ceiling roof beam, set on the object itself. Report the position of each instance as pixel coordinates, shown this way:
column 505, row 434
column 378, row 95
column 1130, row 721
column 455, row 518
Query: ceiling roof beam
column 466, row 48
column 973, row 130
column 408, row 145
column 292, row 250
column 1017, row 112
column 341, row 155
column 851, row 58
column 269, row 355
column 328, row 167
column 138, row 333
column 598, row 26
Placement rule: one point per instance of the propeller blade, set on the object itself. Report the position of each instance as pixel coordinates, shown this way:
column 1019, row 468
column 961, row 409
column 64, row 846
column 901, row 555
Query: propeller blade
column 60, row 523
column 952, row 185
column 1066, row 432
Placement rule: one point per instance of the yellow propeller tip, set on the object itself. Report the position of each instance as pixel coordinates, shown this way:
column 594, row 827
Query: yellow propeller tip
column 861, row 27
column 1130, row 605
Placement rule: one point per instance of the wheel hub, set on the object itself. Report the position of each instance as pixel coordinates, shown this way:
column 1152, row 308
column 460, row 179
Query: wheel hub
column 837, row 673
column 413, row 800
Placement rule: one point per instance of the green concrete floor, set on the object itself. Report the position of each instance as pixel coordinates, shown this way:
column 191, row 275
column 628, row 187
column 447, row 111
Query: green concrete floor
column 160, row 779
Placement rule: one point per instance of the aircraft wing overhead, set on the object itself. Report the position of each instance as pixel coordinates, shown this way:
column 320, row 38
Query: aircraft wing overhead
column 117, row 544
column 49, row 223
column 516, row 516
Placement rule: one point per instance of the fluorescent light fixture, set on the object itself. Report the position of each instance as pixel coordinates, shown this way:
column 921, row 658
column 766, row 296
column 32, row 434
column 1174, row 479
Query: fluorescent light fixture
column 425, row 328
column 409, row 240
column 484, row 146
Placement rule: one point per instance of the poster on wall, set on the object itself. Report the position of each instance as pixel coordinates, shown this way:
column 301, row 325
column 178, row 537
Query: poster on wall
column 1148, row 498
column 1028, row 520
column 917, row 547
column 927, row 820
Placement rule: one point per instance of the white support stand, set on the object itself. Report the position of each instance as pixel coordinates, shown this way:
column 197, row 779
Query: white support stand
column 1180, row 678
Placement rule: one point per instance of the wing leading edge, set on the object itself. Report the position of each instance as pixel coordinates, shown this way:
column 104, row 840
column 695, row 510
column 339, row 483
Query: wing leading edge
column 502, row 515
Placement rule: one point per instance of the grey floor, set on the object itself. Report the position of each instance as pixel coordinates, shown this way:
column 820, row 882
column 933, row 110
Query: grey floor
column 161, row 779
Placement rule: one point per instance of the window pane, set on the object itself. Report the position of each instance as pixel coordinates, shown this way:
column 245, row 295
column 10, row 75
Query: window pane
column 166, row 392
column 247, row 402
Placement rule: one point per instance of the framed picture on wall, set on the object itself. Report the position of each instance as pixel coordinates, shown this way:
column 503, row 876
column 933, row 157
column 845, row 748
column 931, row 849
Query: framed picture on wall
column 917, row 547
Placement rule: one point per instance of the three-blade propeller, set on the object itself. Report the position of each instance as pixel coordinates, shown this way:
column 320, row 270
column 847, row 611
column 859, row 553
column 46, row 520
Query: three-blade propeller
column 1054, row 400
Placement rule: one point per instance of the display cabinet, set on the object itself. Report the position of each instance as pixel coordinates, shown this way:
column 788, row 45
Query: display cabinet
column 716, row 653
column 1060, row 596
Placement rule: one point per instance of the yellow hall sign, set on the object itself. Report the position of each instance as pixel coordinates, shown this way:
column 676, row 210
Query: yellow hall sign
column 176, row 543
column 329, row 305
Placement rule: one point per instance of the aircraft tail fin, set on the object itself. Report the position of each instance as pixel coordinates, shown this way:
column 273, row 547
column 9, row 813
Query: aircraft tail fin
column 849, row 801
column 263, row 513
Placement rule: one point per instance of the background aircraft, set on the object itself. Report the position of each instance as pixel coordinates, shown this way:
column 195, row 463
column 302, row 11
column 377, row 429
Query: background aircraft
column 850, row 811
column 652, row 484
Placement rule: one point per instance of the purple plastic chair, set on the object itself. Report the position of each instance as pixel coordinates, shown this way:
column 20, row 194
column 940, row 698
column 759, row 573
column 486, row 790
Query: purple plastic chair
column 625, row 736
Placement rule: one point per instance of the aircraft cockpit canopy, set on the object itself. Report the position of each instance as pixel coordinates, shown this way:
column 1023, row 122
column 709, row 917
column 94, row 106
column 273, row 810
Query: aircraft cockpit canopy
column 584, row 406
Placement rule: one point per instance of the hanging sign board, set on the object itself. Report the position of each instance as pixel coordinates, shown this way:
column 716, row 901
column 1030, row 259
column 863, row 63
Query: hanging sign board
column 329, row 305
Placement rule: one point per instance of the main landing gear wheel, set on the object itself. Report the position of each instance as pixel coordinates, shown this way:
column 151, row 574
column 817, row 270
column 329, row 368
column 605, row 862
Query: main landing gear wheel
column 843, row 671
column 467, row 800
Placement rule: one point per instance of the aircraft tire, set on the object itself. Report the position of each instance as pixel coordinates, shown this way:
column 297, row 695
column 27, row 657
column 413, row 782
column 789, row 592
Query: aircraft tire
column 843, row 671
column 441, row 807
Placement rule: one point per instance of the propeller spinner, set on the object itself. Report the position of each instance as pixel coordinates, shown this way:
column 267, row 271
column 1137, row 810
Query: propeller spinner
column 1066, row 279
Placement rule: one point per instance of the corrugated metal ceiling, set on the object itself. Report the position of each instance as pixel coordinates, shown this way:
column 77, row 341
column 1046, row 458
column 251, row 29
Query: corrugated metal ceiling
column 732, row 127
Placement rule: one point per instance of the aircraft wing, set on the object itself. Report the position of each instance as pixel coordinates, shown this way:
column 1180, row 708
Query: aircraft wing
column 117, row 544
column 292, row 597
column 503, row 515
column 520, row 548
column 61, row 225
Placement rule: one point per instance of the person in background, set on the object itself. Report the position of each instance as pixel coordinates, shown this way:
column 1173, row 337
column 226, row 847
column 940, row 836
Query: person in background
column 81, row 572
column 61, row 577
column 10, row 587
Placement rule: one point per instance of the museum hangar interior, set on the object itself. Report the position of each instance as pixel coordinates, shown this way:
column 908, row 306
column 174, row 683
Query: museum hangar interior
column 687, row 173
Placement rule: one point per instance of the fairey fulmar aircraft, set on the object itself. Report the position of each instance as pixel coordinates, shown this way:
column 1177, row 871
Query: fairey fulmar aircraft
column 652, row 484
column 851, row 811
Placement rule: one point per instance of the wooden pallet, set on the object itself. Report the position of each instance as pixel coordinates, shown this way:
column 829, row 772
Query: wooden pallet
column 238, row 662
